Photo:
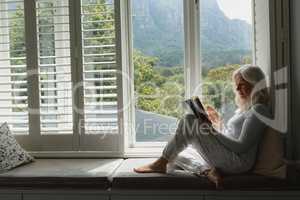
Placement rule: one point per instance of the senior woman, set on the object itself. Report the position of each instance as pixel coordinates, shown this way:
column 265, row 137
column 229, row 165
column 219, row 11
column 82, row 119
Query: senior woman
column 230, row 148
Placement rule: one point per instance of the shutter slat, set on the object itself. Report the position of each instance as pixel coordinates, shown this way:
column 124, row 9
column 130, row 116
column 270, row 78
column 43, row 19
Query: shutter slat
column 99, row 55
column 55, row 73
column 99, row 63
column 97, row 38
column 101, row 88
column 47, row 66
column 13, row 83
column 99, row 46
column 98, row 21
column 95, row 30
column 100, row 96
column 3, row 106
column 100, row 79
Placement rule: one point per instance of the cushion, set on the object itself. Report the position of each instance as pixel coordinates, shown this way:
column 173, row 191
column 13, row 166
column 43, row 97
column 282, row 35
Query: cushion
column 11, row 153
column 126, row 178
column 270, row 156
column 62, row 173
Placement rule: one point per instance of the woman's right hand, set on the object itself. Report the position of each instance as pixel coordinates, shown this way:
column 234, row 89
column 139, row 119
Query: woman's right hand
column 215, row 118
column 213, row 115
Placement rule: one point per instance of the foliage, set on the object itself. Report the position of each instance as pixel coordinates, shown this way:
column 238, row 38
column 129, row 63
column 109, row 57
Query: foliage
column 158, row 89
column 99, row 36
column 222, row 73
column 161, row 89
column 218, row 87
column 17, row 36
column 17, row 51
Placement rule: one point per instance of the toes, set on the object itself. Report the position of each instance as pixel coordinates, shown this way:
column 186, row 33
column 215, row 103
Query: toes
column 138, row 170
column 142, row 170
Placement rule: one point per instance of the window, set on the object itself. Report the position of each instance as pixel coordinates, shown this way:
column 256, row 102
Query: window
column 58, row 74
column 158, row 58
column 226, row 43
column 180, row 49
column 104, row 75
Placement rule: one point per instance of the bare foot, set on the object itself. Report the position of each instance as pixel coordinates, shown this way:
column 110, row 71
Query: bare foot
column 159, row 166
column 214, row 176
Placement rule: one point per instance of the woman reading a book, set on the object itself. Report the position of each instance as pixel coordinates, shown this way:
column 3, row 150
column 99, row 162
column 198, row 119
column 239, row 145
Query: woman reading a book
column 230, row 148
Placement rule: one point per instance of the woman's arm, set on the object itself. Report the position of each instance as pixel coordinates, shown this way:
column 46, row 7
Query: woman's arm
column 251, row 133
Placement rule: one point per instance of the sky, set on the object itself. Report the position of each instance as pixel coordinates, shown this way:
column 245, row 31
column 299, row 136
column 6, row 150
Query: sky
column 237, row 9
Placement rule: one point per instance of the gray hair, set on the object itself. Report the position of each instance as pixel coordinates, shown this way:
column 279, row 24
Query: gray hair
column 256, row 77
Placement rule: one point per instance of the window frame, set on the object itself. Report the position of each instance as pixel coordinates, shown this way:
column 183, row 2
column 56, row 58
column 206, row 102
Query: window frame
column 192, row 67
column 77, row 143
column 191, row 58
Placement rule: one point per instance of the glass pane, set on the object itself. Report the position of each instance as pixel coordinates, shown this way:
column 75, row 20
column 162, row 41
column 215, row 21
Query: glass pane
column 226, row 44
column 99, row 66
column 55, row 68
column 13, row 76
column 158, row 57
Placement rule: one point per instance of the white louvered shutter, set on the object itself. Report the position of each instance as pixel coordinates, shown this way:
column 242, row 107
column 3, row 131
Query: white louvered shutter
column 13, row 76
column 52, row 31
column 99, row 75
column 54, row 66
column 99, row 66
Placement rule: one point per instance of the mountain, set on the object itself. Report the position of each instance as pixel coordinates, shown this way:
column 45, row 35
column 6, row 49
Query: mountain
column 220, row 32
column 158, row 30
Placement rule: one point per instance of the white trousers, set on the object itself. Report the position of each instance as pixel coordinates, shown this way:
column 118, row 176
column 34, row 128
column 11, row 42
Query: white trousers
column 200, row 136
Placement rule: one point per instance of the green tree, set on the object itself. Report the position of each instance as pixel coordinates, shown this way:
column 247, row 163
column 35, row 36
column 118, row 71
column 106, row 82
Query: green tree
column 218, row 86
column 99, row 30
column 159, row 89
column 17, row 53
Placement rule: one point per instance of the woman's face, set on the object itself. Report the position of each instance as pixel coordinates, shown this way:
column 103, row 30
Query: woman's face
column 242, row 87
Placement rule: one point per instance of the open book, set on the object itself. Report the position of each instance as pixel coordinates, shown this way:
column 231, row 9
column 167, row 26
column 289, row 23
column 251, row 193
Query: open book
column 197, row 108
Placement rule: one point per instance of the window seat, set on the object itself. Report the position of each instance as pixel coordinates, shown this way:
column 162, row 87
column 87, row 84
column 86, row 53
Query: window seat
column 117, row 174
column 125, row 178
column 62, row 173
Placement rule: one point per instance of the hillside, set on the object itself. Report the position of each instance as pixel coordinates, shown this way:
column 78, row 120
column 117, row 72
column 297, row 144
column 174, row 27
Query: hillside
column 158, row 30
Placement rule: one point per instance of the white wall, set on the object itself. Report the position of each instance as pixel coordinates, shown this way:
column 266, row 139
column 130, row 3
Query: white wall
column 295, row 72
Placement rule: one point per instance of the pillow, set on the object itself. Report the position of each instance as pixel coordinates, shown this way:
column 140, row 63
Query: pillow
column 270, row 157
column 11, row 153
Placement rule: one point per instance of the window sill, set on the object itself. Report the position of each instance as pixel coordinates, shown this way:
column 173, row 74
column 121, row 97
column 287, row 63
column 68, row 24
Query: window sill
column 145, row 152
column 76, row 154
column 138, row 152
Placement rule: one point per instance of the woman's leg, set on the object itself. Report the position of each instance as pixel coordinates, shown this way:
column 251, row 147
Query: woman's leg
column 183, row 137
